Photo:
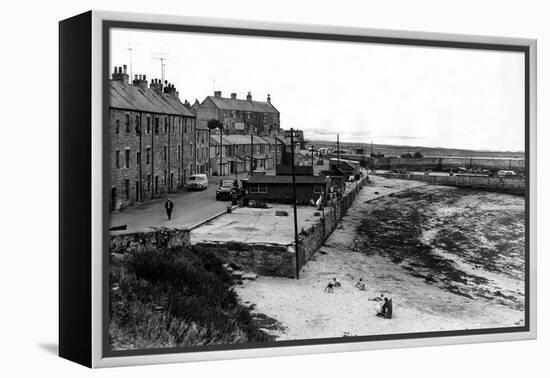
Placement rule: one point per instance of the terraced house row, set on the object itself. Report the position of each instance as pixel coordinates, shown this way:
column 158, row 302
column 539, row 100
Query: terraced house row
column 155, row 140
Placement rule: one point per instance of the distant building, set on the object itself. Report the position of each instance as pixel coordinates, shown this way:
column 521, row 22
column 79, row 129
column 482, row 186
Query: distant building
column 347, row 167
column 271, row 188
column 152, row 139
column 239, row 116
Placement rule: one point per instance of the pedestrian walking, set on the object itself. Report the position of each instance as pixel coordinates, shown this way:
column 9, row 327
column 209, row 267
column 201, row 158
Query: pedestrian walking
column 169, row 206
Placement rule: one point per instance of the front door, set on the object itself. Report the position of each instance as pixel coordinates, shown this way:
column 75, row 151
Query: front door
column 113, row 199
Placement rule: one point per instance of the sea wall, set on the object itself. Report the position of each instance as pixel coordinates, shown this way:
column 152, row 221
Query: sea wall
column 423, row 163
column 510, row 185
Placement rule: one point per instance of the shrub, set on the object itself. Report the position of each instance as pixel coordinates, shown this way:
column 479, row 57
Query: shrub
column 176, row 298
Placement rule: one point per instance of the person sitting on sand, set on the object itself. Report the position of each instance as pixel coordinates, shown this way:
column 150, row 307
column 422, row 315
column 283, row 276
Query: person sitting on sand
column 361, row 285
column 336, row 283
column 329, row 288
column 386, row 310
column 355, row 247
column 377, row 299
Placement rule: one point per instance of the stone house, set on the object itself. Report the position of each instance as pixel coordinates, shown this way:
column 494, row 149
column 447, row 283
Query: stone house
column 152, row 139
column 239, row 116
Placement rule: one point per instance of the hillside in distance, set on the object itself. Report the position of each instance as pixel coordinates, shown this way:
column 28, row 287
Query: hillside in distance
column 398, row 150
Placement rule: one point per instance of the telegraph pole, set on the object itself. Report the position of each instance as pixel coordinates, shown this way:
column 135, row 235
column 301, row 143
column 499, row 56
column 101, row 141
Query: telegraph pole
column 275, row 154
column 312, row 157
column 338, row 149
column 294, row 205
column 251, row 153
column 221, row 149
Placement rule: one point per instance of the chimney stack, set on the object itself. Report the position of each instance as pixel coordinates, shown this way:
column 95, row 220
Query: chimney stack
column 233, row 96
column 118, row 75
column 156, row 85
column 249, row 97
column 218, row 94
column 169, row 89
column 140, row 81
column 268, row 98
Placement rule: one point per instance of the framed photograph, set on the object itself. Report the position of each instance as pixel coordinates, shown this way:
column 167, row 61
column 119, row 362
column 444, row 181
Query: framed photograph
column 235, row 189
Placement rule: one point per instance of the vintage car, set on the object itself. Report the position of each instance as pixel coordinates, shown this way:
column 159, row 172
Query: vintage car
column 197, row 181
column 226, row 190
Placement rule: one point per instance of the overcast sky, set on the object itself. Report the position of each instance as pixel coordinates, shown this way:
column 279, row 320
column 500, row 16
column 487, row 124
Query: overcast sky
column 399, row 95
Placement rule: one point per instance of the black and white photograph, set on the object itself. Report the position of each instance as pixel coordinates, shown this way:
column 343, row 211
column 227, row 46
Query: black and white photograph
column 267, row 189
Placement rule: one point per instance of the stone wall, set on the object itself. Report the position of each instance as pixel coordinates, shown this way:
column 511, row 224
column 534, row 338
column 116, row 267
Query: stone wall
column 263, row 258
column 145, row 240
column 510, row 185
column 517, row 165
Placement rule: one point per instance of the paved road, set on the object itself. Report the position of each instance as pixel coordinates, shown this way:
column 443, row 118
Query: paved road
column 190, row 208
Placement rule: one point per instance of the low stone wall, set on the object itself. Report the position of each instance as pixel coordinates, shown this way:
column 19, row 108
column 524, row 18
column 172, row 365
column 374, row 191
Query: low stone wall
column 154, row 239
column 510, row 185
column 266, row 259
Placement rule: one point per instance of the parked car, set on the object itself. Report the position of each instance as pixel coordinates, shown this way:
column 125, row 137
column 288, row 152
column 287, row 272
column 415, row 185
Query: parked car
column 197, row 181
column 505, row 173
column 226, row 190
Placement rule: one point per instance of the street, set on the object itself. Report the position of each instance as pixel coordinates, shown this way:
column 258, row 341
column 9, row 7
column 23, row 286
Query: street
column 190, row 208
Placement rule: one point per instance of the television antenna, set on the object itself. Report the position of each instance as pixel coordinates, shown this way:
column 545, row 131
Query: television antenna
column 130, row 49
column 162, row 67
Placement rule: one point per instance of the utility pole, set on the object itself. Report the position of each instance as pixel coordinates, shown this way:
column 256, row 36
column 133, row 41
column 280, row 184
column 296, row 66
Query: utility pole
column 371, row 158
column 294, row 205
column 312, row 157
column 275, row 154
column 221, row 153
column 338, row 149
column 251, row 153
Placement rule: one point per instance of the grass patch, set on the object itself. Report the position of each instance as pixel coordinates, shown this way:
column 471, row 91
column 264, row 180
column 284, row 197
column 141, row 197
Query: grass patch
column 174, row 298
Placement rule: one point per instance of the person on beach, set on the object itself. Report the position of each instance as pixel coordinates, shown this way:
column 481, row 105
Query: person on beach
column 336, row 283
column 361, row 285
column 169, row 206
column 386, row 310
column 355, row 246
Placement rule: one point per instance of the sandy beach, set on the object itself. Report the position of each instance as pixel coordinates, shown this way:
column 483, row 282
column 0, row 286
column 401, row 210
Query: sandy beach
column 435, row 284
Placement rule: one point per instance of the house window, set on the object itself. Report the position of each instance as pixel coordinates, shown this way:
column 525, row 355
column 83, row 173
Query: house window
column 258, row 188
column 127, row 123
column 138, row 158
column 117, row 126
column 156, row 125
column 318, row 189
column 138, row 131
column 127, row 158
column 248, row 116
column 148, row 125
column 117, row 159
column 166, row 125
column 179, row 152
column 148, row 156
column 165, row 153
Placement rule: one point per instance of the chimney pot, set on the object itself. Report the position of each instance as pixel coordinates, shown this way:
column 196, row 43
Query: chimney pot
column 144, row 77
column 269, row 98
column 124, row 66
column 249, row 96
column 233, row 96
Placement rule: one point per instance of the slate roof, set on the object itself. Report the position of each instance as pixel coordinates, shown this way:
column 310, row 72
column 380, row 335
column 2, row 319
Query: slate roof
column 272, row 179
column 242, row 139
column 243, row 105
column 126, row 96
